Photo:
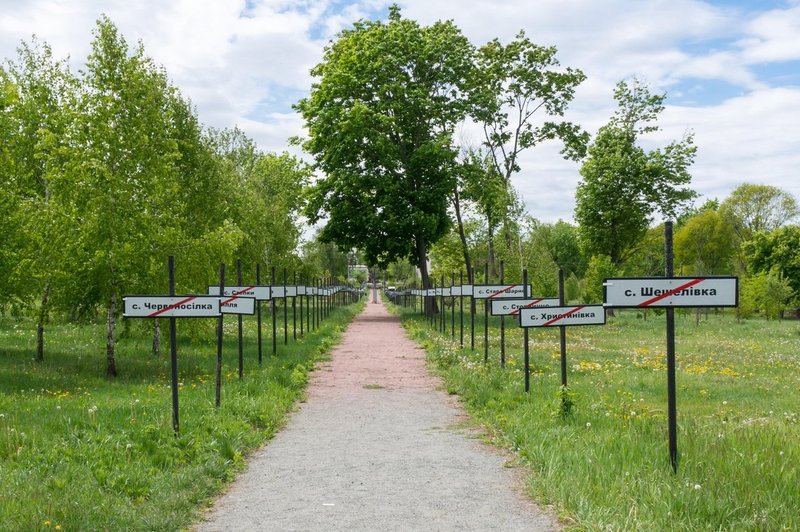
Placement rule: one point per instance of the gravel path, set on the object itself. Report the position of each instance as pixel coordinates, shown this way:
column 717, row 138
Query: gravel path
column 376, row 447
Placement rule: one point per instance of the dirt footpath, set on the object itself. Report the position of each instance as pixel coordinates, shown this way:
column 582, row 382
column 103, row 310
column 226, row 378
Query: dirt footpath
column 376, row 447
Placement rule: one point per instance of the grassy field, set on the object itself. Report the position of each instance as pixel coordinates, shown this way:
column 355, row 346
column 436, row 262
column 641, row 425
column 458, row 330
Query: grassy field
column 598, row 453
column 79, row 451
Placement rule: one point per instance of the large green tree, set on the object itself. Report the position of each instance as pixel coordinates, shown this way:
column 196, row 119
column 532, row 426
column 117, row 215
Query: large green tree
column 777, row 250
column 119, row 176
column 8, row 219
column 751, row 208
column 42, row 113
column 705, row 244
column 264, row 198
column 380, row 120
column 623, row 186
column 520, row 93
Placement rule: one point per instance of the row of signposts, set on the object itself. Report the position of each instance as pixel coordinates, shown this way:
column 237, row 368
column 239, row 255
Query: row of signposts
column 239, row 300
column 532, row 311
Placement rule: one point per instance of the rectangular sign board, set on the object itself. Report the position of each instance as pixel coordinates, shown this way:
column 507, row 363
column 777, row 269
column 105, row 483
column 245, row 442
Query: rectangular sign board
column 511, row 307
column 301, row 290
column 238, row 305
column 555, row 316
column 190, row 306
column 511, row 291
column 260, row 293
column 278, row 292
column 443, row 292
column 673, row 292
column 461, row 290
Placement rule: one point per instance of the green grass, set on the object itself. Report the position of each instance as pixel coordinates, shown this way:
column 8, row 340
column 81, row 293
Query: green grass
column 79, row 451
column 604, row 462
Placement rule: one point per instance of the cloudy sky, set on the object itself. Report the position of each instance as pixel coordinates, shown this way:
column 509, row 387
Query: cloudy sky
column 730, row 68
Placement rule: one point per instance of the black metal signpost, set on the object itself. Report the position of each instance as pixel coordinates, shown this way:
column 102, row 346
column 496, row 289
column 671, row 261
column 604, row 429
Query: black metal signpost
column 239, row 316
column 502, row 321
column 526, row 347
column 258, row 312
column 441, row 306
column 671, row 292
column 301, row 303
column 486, row 318
column 274, row 314
column 220, row 325
column 317, row 302
column 285, row 311
column 672, row 401
column 172, row 307
column 461, row 305
column 472, row 309
column 562, row 333
column 308, row 304
column 294, row 307
column 173, row 350
column 452, row 306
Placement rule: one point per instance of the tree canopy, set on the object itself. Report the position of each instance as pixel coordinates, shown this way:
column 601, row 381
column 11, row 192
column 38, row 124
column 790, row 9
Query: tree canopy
column 623, row 185
column 380, row 120
column 751, row 208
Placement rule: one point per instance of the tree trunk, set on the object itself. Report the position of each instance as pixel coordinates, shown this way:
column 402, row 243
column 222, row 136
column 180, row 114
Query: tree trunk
column 461, row 234
column 492, row 269
column 111, row 363
column 156, row 337
column 43, row 311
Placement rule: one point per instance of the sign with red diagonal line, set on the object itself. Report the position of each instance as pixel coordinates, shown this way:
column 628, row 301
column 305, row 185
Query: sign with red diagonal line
column 676, row 292
column 513, row 291
column 555, row 316
column 511, row 307
column 190, row 306
column 260, row 293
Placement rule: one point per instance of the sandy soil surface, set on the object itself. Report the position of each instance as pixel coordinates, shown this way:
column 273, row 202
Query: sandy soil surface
column 376, row 447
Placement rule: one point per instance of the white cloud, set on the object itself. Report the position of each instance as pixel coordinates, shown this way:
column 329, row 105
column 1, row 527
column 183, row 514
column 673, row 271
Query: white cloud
column 244, row 62
column 773, row 36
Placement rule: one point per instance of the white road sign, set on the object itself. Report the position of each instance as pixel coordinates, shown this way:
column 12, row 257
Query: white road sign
column 238, row 305
column 511, row 307
column 461, row 290
column 512, row 291
column 278, row 292
column 555, row 316
column 260, row 293
column 195, row 306
column 443, row 292
column 671, row 292
column 291, row 291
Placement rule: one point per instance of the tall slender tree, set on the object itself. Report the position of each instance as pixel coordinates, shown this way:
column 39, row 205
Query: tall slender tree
column 121, row 167
column 623, row 186
column 43, row 111
column 521, row 94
